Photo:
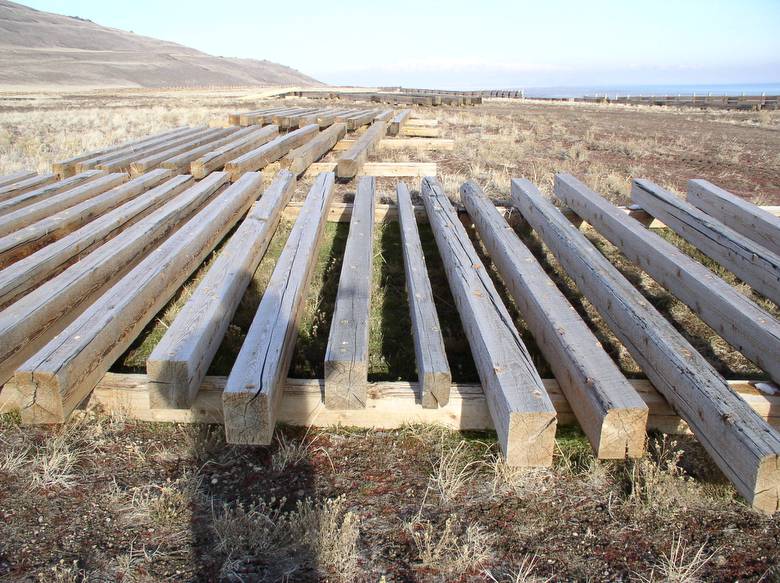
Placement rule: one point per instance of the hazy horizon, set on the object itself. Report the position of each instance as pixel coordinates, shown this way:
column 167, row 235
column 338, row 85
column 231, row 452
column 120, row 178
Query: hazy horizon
column 469, row 46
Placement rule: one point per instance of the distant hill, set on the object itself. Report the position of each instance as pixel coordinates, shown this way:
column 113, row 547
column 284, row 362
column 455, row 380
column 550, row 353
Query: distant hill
column 44, row 49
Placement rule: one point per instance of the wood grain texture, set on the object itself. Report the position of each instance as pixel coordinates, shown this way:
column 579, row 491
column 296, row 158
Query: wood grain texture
column 382, row 169
column 49, row 190
column 33, row 320
column 741, row 322
column 19, row 187
column 346, row 355
column 610, row 412
column 8, row 179
column 154, row 160
column 351, row 161
column 217, row 158
column 302, row 157
column 521, row 410
column 757, row 266
column 253, row 390
column 742, row 444
column 259, row 158
column 433, row 370
column 737, row 213
column 58, row 377
column 178, row 364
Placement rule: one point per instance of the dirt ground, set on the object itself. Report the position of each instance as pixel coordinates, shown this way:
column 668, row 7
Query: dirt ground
column 108, row 499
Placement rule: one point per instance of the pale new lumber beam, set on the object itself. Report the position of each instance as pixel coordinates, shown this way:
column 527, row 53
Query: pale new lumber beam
column 124, row 162
column 181, row 163
column 302, row 157
column 31, row 271
column 346, row 356
column 259, row 158
column 60, row 375
column 401, row 143
column 178, row 364
column 27, row 240
column 154, row 160
column 610, row 412
column 253, row 390
column 741, row 322
column 419, row 131
column 382, row 169
column 16, row 177
column 520, row 408
column 65, row 168
column 28, row 215
column 398, row 122
column 30, row 322
column 20, row 187
column 737, row 213
column 757, row 266
column 433, row 370
column 44, row 192
column 742, row 444
column 351, row 161
column 217, row 159
column 422, row 122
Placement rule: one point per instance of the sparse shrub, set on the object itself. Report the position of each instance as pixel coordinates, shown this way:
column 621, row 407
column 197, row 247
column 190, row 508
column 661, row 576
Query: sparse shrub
column 445, row 548
column 522, row 573
column 452, row 470
column 679, row 565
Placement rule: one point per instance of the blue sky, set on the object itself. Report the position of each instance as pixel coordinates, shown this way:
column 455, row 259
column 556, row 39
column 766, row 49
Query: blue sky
column 471, row 44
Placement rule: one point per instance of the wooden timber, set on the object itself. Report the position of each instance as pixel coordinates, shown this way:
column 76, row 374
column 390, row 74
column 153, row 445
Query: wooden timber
column 357, row 119
column 755, row 265
column 261, row 157
column 253, row 390
column 28, row 215
column 521, row 410
column 302, row 157
column 264, row 118
column 401, row 143
column 217, row 159
column 154, row 160
column 350, row 163
column 346, row 356
column 741, row 322
column 179, row 362
column 33, row 196
column 610, row 412
column 384, row 116
column 742, row 444
column 248, row 116
column 382, row 169
column 9, row 179
column 323, row 119
column 735, row 212
column 27, row 240
column 433, row 370
column 58, row 377
column 29, row 272
column 124, row 162
column 181, row 163
column 33, row 320
column 14, row 189
column 419, row 131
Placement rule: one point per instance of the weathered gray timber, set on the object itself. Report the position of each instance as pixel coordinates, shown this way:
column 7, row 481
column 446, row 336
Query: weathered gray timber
column 398, row 121
column 261, row 157
column 251, row 398
column 154, row 160
column 521, row 410
column 60, row 375
column 28, row 215
column 29, row 239
column 351, row 161
column 299, row 159
column 249, row 118
column 322, row 119
column 609, row 410
column 26, row 274
column 746, row 326
column 355, row 119
column 181, row 162
column 26, row 325
column 433, row 371
column 37, row 195
column 179, row 362
column 744, row 217
column 9, row 179
column 757, row 266
column 216, row 159
column 742, row 444
column 14, row 189
column 346, row 357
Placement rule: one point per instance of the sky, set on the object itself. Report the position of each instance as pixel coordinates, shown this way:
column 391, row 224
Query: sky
column 473, row 44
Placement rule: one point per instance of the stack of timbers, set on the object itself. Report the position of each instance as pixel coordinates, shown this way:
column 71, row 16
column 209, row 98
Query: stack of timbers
column 423, row 99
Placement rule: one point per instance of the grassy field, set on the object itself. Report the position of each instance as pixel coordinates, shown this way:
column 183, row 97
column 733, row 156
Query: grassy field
column 117, row 500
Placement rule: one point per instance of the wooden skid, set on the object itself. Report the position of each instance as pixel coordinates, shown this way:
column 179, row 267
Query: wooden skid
column 217, row 159
column 59, row 376
column 261, row 157
column 401, row 143
column 33, row 320
column 254, row 388
column 610, row 412
column 301, row 158
column 398, row 121
column 37, row 195
column 744, row 217
column 522, row 412
column 179, row 362
column 746, row 326
column 742, row 444
column 433, row 370
column 26, row 241
column 346, row 357
column 419, row 131
column 755, row 265
column 350, row 163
